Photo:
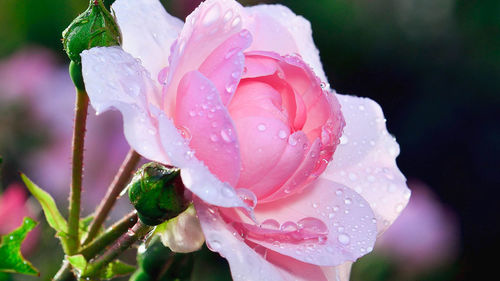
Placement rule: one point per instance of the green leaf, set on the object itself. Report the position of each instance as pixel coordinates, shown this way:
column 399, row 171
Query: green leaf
column 52, row 214
column 115, row 269
column 10, row 250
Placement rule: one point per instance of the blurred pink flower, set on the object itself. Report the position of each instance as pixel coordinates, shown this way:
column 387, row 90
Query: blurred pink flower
column 426, row 233
column 13, row 208
column 33, row 77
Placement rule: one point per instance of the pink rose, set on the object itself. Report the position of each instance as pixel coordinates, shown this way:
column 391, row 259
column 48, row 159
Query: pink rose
column 235, row 98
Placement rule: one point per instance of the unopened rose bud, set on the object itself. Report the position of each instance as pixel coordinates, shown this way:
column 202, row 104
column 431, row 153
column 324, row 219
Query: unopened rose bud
column 95, row 27
column 157, row 193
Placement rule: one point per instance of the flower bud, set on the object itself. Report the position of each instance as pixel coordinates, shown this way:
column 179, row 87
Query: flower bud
column 93, row 28
column 157, row 193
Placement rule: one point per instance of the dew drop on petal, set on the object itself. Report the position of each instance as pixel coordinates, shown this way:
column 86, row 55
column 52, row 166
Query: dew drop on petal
column 344, row 239
column 212, row 15
column 270, row 224
column 247, row 196
column 282, row 134
column 289, row 226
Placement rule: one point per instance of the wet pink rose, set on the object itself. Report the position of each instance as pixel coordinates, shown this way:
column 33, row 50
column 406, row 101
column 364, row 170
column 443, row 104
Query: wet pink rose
column 291, row 181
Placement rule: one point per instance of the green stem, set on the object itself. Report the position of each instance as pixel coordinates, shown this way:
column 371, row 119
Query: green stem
column 110, row 235
column 139, row 231
column 99, row 244
column 114, row 190
column 81, row 108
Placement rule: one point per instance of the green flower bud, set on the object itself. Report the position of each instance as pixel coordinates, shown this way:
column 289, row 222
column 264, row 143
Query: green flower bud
column 93, row 28
column 157, row 193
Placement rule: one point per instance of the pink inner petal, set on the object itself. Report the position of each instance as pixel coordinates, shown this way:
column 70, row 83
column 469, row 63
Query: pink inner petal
column 224, row 66
column 213, row 136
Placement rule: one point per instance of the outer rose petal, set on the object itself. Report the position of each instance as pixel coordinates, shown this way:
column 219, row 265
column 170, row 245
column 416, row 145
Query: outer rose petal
column 255, row 263
column 148, row 31
column 286, row 24
column 365, row 160
column 347, row 216
column 113, row 78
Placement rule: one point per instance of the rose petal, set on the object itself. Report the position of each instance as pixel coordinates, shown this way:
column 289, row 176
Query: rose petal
column 183, row 233
column 348, row 217
column 278, row 23
column 304, row 174
column 195, row 175
column 365, row 160
column 113, row 78
column 268, row 159
column 148, row 31
column 212, row 132
column 211, row 24
column 246, row 264
column 224, row 66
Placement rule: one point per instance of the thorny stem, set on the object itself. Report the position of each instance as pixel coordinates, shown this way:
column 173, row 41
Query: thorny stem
column 110, row 235
column 99, row 244
column 81, row 108
column 114, row 190
column 134, row 234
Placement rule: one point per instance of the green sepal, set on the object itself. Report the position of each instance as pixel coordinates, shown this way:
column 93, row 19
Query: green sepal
column 95, row 27
column 10, row 250
column 75, row 72
column 114, row 269
column 157, row 193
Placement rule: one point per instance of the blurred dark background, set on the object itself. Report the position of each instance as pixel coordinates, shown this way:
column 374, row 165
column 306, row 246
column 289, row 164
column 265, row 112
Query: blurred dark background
column 433, row 66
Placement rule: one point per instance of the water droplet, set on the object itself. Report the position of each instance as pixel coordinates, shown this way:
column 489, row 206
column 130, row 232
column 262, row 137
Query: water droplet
column 236, row 21
column 261, row 127
column 348, row 201
column 228, row 15
column 214, row 245
column 314, row 225
column 231, row 87
column 361, row 107
column 270, row 224
column 353, row 176
column 247, row 196
column 344, row 239
column 292, row 141
column 235, row 74
column 289, row 226
column 231, row 52
column 343, row 139
column 282, row 134
column 212, row 15
column 227, row 135
column 214, row 138
column 185, row 133
column 339, row 192
column 314, row 205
